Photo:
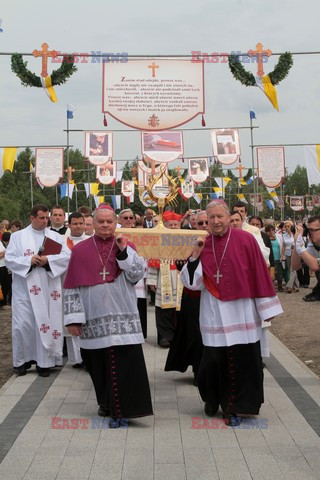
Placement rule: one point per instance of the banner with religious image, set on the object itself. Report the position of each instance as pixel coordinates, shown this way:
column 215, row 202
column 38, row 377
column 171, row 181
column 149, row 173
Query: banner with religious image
column 146, row 200
column 198, row 169
column 162, row 146
column 309, row 204
column 316, row 200
column 256, row 199
column 297, row 203
column 49, row 166
column 271, row 165
column 98, row 147
column 153, row 94
column 127, row 188
column 146, row 172
column 187, row 188
column 106, row 173
column 226, row 145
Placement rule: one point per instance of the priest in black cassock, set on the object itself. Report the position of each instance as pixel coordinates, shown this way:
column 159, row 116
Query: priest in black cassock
column 101, row 308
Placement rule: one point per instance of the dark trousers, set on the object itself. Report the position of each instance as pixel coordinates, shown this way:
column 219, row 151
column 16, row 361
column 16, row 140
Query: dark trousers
column 5, row 283
column 304, row 275
column 142, row 307
column 166, row 323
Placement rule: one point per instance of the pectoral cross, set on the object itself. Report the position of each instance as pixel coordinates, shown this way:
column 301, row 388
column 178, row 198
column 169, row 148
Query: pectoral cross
column 217, row 276
column 104, row 273
column 259, row 53
column 44, row 53
column 153, row 66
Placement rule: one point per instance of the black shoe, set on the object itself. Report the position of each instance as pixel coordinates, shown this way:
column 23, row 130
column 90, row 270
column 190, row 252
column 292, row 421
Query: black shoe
column 151, row 304
column 311, row 298
column 210, row 410
column 43, row 372
column 103, row 412
column 164, row 343
column 231, row 419
column 20, row 371
column 78, row 365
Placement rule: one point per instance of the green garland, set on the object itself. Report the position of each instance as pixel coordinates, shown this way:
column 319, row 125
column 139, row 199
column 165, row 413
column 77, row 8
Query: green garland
column 280, row 71
column 29, row 79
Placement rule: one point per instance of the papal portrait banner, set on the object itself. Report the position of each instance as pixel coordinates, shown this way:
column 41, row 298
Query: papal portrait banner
column 225, row 145
column 49, row 166
column 198, row 169
column 98, row 147
column 271, row 165
column 162, row 146
column 106, row 173
column 153, row 94
column 297, row 203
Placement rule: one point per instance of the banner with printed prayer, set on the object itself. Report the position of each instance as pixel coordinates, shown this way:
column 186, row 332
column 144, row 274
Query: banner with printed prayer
column 226, row 145
column 153, row 94
column 271, row 165
column 98, row 147
column 162, row 146
column 312, row 159
column 49, row 166
column 106, row 173
column 198, row 169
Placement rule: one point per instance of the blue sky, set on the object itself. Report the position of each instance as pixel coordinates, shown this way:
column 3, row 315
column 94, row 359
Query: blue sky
column 166, row 27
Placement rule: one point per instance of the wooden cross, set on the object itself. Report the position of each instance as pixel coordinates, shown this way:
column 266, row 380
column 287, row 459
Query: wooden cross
column 104, row 273
column 69, row 172
column 259, row 53
column 44, row 53
column 153, row 66
column 217, row 276
column 240, row 168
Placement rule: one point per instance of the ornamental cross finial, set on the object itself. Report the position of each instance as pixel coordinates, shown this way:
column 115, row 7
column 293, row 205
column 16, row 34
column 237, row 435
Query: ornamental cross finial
column 44, row 53
column 259, row 53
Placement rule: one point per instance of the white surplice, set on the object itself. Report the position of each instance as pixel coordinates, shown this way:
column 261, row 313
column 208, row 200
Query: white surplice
column 233, row 322
column 36, row 299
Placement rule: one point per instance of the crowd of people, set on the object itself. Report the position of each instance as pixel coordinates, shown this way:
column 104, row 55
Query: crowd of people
column 80, row 289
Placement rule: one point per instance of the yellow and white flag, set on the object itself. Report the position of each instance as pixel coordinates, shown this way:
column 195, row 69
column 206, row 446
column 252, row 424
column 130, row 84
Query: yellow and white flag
column 8, row 158
column 242, row 197
column 47, row 85
column 266, row 86
column 312, row 158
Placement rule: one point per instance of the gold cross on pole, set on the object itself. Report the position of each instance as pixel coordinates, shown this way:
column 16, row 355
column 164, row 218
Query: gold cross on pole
column 44, row 53
column 69, row 172
column 153, row 66
column 240, row 168
column 259, row 53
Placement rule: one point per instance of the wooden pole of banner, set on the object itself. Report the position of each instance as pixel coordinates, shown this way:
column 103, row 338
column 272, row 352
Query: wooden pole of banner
column 253, row 167
column 31, row 188
column 68, row 164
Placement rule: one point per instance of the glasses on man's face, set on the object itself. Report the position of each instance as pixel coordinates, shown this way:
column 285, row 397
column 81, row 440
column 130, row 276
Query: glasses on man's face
column 313, row 230
column 202, row 222
column 127, row 218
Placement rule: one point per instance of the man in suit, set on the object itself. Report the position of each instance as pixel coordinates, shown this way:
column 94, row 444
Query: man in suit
column 148, row 218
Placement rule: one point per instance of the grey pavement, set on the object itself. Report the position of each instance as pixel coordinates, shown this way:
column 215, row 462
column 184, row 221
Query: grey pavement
column 177, row 443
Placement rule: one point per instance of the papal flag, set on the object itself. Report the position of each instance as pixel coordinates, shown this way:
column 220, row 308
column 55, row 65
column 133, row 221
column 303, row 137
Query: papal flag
column 242, row 198
column 268, row 89
column 312, row 158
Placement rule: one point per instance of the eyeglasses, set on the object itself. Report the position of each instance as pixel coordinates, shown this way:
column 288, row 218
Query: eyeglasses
column 202, row 222
column 313, row 230
column 127, row 218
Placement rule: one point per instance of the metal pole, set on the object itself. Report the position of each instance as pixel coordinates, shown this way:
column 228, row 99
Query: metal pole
column 253, row 167
column 31, row 188
column 68, row 162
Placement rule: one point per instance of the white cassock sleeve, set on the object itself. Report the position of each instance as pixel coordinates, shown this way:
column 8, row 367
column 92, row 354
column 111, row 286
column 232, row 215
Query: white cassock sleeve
column 194, row 280
column 17, row 263
column 133, row 266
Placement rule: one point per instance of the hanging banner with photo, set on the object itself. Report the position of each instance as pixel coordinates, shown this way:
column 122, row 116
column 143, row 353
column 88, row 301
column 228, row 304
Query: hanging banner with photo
column 153, row 94
column 162, row 146
column 316, row 200
column 127, row 188
column 49, row 166
column 226, row 145
column 297, row 203
column 106, row 173
column 187, row 188
column 145, row 174
column 198, row 169
column 98, row 147
column 146, row 200
column 271, row 165
column 309, row 204
column 256, row 199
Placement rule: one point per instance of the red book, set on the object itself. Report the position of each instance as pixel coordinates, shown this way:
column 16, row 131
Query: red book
column 50, row 247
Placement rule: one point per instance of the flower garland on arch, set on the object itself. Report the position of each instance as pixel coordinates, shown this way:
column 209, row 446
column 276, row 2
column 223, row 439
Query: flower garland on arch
column 267, row 82
column 30, row 79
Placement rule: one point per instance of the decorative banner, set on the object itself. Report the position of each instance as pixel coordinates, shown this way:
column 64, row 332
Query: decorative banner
column 127, row 188
column 198, row 169
column 146, row 200
column 187, row 189
column 296, row 203
column 256, row 199
column 162, row 146
column 316, row 200
column 153, row 94
column 145, row 172
column 98, row 147
column 49, row 166
column 312, row 158
column 225, row 145
column 281, row 203
column 106, row 173
column 271, row 165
